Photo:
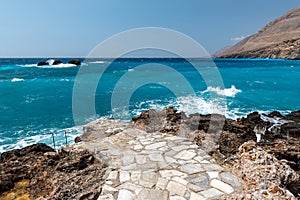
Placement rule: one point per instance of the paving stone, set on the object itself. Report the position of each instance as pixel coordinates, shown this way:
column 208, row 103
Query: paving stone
column 194, row 146
column 163, row 165
column 180, row 147
column 152, row 194
column 113, row 175
column 155, row 145
column 181, row 162
column 204, row 162
column 141, row 159
column 176, row 198
column 200, row 180
column 213, row 175
column 125, row 195
column 161, row 183
column 156, row 157
column 132, row 187
column 224, row 187
column 138, row 147
column 212, row 167
column 191, row 168
column 176, row 188
column 149, row 166
column 108, row 182
column 163, row 149
column 149, row 176
column 124, row 176
column 148, row 179
column 196, row 188
column 185, row 155
column 136, row 176
column 129, row 167
column 229, row 178
column 171, row 173
column 212, row 193
column 192, row 162
column 180, row 180
column 127, row 159
column 198, row 158
column 170, row 153
column 195, row 196
column 170, row 159
column 106, row 189
column 146, row 184
column 106, row 197
column 175, row 138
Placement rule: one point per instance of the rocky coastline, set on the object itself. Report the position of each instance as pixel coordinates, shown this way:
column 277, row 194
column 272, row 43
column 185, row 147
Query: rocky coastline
column 278, row 39
column 262, row 150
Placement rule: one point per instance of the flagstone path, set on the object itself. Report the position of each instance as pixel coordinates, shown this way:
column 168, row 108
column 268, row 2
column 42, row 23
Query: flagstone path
column 157, row 166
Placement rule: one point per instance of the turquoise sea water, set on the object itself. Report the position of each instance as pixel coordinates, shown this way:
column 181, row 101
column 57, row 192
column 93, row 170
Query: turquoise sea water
column 37, row 101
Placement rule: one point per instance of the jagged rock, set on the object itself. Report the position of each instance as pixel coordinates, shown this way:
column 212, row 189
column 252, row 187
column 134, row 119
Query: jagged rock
column 42, row 63
column 57, row 62
column 278, row 39
column 75, row 62
column 38, row 171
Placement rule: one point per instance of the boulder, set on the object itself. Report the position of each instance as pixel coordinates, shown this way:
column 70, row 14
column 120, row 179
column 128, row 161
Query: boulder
column 42, row 63
column 75, row 62
column 57, row 62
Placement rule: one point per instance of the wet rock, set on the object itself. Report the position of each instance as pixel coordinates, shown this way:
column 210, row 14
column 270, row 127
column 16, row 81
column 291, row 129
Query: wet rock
column 57, row 62
column 75, row 62
column 42, row 63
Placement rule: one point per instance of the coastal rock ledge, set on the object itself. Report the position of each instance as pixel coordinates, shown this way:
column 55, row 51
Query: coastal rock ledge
column 163, row 155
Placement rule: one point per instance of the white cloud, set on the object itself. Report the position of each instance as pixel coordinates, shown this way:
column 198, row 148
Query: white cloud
column 239, row 38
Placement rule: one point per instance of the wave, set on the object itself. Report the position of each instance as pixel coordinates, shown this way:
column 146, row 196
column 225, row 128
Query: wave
column 17, row 79
column 40, row 136
column 98, row 62
column 228, row 92
column 50, row 66
column 189, row 105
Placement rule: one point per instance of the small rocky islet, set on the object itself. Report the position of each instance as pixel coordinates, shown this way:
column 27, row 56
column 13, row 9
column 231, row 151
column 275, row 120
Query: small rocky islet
column 163, row 155
column 58, row 62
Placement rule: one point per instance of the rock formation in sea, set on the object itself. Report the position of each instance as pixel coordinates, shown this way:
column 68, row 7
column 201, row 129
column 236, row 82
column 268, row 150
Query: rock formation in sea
column 278, row 39
column 75, row 62
column 42, row 63
column 57, row 62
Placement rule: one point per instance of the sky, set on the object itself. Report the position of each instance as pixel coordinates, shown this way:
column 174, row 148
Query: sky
column 65, row 28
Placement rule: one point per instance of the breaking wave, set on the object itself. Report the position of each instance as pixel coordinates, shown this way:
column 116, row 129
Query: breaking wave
column 228, row 92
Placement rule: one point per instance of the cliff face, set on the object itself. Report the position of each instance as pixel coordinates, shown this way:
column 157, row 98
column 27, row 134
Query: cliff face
column 278, row 39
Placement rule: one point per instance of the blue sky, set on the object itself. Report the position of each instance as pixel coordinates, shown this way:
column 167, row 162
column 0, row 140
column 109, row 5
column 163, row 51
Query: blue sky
column 35, row 28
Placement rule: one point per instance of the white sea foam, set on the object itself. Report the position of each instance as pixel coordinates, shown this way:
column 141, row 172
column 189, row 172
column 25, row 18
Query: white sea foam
column 17, row 79
column 50, row 65
column 98, row 62
column 190, row 105
column 276, row 121
column 42, row 136
column 228, row 92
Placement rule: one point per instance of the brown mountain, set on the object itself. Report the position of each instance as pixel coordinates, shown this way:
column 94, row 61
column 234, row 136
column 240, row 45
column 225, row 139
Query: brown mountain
column 278, row 39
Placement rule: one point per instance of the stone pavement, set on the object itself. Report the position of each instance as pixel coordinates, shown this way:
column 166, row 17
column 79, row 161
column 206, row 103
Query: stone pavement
column 157, row 166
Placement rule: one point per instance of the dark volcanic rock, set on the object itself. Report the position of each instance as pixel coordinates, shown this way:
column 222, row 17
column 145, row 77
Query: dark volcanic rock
column 166, row 121
column 75, row 62
column 42, row 63
column 222, row 137
column 41, row 172
column 278, row 39
column 57, row 62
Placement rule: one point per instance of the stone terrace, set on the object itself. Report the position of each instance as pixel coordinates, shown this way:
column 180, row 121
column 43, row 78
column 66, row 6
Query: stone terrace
column 160, row 167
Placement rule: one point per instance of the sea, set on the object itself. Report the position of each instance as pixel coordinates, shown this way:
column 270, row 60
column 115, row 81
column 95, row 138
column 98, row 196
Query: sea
column 39, row 103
